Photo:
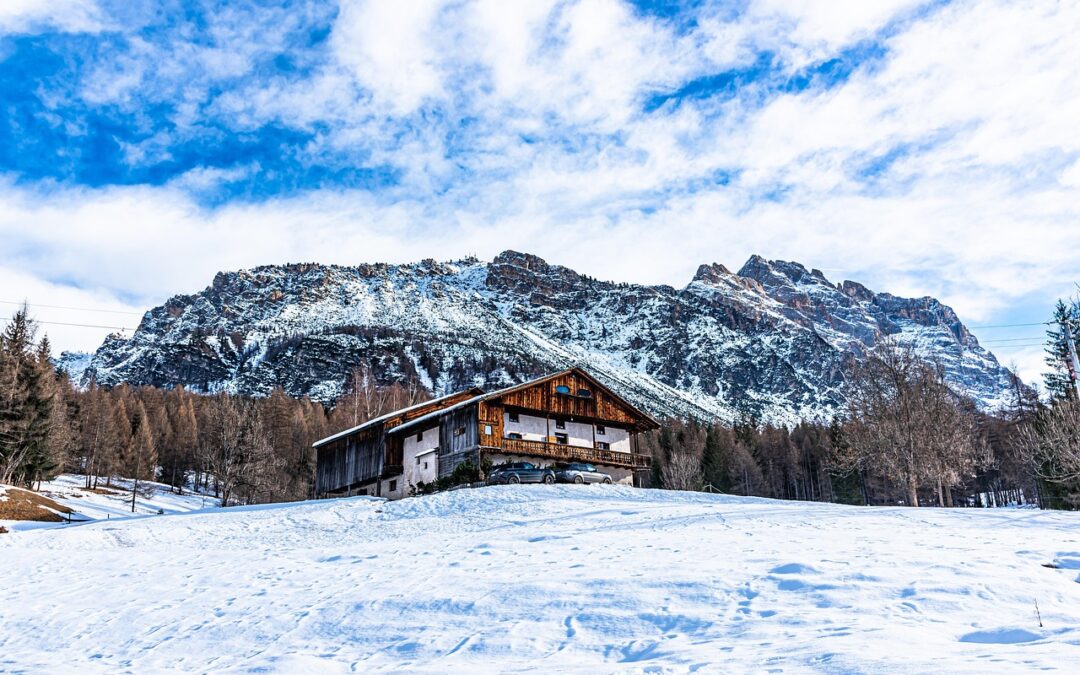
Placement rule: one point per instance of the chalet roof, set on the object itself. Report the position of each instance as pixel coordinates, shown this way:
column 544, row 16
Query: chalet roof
column 396, row 413
column 419, row 422
column 648, row 421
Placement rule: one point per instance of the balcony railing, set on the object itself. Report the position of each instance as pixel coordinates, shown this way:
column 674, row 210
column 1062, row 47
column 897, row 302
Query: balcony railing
column 573, row 453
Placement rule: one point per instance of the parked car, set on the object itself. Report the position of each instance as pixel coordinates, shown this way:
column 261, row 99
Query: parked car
column 580, row 473
column 520, row 472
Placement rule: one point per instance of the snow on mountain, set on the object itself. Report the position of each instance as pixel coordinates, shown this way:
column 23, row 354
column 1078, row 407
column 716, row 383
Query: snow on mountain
column 772, row 340
column 547, row 579
column 74, row 364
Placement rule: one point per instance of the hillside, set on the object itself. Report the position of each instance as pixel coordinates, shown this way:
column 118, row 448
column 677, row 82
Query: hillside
column 773, row 340
column 545, row 579
column 65, row 499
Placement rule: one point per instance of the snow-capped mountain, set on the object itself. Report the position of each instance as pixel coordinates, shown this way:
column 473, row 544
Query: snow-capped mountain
column 773, row 339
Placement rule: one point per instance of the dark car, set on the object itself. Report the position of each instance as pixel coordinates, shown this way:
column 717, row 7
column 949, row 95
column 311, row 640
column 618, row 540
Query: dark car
column 580, row 473
column 520, row 472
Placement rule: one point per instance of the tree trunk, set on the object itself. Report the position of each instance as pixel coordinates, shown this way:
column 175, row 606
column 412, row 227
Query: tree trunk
column 913, row 493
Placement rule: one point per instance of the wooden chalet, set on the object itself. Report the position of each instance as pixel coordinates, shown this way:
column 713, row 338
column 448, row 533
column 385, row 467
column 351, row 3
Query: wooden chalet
column 568, row 416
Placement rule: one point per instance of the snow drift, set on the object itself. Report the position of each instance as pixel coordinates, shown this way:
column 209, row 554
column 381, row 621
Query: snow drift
column 562, row 578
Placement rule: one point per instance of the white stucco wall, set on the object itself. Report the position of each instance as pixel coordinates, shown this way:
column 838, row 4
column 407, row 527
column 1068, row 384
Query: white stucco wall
column 415, row 454
column 619, row 439
column 579, row 434
column 531, row 428
column 400, row 488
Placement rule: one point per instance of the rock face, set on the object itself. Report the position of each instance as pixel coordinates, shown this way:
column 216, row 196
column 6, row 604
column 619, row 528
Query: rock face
column 772, row 340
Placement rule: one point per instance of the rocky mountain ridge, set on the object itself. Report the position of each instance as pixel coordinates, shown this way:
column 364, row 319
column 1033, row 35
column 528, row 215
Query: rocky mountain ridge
column 772, row 340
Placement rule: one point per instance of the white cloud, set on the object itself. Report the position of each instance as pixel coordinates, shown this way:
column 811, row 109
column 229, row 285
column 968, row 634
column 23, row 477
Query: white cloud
column 18, row 16
column 390, row 48
column 521, row 125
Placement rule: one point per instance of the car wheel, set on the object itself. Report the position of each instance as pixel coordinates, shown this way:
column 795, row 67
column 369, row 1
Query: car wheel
column 549, row 479
column 513, row 480
column 579, row 480
column 607, row 481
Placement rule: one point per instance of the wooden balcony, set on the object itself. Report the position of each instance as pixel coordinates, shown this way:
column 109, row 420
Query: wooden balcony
column 573, row 453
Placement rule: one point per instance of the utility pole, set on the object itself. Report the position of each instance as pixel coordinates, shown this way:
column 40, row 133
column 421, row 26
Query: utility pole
column 1071, row 359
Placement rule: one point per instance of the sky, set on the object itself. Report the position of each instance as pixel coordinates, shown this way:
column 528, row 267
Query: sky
column 920, row 148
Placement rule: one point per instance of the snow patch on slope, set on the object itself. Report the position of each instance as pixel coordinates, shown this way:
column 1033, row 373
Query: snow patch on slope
column 546, row 579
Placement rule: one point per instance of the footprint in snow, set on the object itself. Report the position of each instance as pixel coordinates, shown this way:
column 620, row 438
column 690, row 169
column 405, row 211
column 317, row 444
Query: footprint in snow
column 793, row 568
column 1000, row 636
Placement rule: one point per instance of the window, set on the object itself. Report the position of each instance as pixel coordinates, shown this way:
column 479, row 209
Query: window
column 393, row 486
column 514, row 418
column 584, row 393
column 460, row 431
column 515, row 436
column 603, row 445
column 425, row 465
column 601, row 430
column 560, row 424
column 561, row 439
column 419, row 436
column 487, row 429
column 562, row 389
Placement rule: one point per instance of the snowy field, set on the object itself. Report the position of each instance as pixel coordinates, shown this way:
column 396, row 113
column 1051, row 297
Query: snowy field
column 547, row 579
column 108, row 502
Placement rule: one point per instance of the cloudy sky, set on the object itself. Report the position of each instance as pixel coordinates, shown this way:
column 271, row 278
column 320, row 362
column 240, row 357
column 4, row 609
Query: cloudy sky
column 923, row 148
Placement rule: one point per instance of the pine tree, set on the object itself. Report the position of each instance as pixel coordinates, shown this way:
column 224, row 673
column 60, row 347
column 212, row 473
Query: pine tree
column 716, row 457
column 1059, row 385
column 26, row 408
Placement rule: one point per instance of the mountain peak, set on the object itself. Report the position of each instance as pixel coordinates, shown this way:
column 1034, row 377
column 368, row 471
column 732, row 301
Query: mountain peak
column 524, row 260
column 773, row 341
column 712, row 272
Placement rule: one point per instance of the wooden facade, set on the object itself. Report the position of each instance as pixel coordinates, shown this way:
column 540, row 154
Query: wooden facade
column 357, row 458
column 471, row 427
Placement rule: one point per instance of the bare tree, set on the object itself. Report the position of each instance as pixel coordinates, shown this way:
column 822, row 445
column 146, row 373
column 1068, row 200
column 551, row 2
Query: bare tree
column 1052, row 442
column 140, row 456
column 682, row 472
column 906, row 424
column 237, row 450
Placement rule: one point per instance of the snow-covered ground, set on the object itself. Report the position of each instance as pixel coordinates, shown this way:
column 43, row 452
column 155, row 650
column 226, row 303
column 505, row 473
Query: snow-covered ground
column 548, row 579
column 109, row 502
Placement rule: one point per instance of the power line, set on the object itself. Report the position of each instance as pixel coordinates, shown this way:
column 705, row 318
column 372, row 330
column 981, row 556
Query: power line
column 1011, row 325
column 1019, row 339
column 82, row 325
column 77, row 309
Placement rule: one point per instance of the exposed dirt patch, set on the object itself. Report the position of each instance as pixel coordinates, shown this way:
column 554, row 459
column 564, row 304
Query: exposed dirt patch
column 3, row 530
column 19, row 504
column 102, row 491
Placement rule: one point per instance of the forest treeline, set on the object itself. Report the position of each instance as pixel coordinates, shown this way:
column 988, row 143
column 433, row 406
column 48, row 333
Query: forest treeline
column 242, row 450
column 904, row 437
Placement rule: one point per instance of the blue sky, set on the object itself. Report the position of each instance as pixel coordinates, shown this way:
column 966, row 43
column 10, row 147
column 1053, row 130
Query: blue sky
column 918, row 147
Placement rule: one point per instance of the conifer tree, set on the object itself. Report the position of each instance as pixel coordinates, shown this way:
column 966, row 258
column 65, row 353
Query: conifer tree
column 26, row 404
column 1059, row 385
column 716, row 457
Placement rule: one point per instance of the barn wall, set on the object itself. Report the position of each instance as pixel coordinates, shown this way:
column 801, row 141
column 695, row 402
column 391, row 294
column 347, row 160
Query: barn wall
column 459, row 437
column 349, row 461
